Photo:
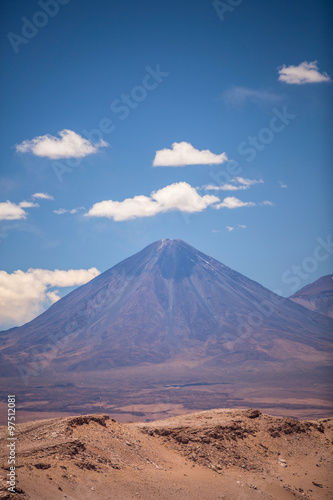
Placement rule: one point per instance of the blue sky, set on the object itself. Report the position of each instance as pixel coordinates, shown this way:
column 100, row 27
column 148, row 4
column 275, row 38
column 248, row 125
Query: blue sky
column 126, row 81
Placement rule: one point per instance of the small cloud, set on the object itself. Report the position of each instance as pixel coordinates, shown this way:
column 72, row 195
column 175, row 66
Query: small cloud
column 248, row 182
column 69, row 145
column 306, row 72
column 76, row 210
column 267, row 203
column 282, row 185
column 239, row 226
column 61, row 211
column 175, row 197
column 236, row 184
column 28, row 204
column 238, row 95
column 42, row 196
column 183, row 153
column 13, row 211
column 216, row 230
column 232, row 202
column 24, row 295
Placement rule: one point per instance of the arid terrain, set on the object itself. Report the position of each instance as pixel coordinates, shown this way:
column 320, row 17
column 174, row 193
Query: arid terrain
column 216, row 454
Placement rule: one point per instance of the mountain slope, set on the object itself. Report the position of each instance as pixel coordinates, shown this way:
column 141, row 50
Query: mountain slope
column 166, row 301
column 317, row 296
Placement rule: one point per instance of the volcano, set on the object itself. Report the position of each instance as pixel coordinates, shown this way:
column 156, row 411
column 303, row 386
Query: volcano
column 170, row 316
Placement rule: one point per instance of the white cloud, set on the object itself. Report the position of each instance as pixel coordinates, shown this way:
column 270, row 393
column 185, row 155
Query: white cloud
column 248, row 182
column 282, row 184
column 238, row 95
column 183, row 153
column 69, row 145
column 267, row 203
column 43, row 196
column 236, row 184
column 178, row 196
column 224, row 187
column 306, row 72
column 76, row 210
column 232, row 202
column 12, row 211
column 61, row 211
column 28, row 204
column 24, row 295
column 232, row 228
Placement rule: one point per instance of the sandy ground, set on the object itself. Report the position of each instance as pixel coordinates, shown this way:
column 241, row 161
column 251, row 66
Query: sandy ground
column 217, row 454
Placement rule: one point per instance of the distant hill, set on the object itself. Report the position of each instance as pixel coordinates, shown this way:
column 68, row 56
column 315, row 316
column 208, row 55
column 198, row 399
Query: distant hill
column 317, row 296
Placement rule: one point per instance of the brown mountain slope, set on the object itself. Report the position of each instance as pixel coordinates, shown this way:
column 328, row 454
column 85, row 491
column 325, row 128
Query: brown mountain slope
column 219, row 454
column 317, row 296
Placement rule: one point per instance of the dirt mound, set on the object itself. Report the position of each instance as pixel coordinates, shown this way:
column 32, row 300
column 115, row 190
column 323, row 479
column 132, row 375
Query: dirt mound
column 218, row 454
column 223, row 440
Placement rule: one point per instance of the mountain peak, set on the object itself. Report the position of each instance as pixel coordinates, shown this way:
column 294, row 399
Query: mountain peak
column 168, row 246
column 168, row 242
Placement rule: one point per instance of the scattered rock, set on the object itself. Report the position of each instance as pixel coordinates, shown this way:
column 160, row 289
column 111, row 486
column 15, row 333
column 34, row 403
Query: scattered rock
column 42, row 466
column 251, row 413
column 87, row 419
column 87, row 466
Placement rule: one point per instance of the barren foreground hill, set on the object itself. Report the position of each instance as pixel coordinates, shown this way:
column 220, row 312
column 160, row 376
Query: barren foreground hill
column 216, row 454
